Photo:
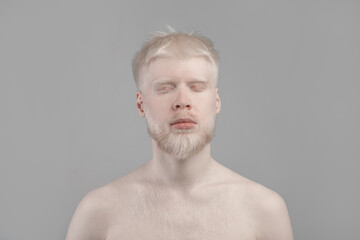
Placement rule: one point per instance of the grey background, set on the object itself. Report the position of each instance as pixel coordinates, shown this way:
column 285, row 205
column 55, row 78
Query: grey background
column 289, row 84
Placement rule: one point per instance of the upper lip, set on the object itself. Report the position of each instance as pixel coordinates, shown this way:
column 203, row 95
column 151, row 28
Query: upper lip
column 183, row 120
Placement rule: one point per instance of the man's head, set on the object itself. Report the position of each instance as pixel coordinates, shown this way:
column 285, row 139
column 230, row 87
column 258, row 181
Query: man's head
column 172, row 44
column 176, row 75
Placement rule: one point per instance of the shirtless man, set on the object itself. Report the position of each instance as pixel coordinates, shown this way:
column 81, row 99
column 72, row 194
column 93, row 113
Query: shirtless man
column 182, row 192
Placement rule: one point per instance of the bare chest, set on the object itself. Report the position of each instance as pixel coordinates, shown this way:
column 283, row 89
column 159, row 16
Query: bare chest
column 161, row 215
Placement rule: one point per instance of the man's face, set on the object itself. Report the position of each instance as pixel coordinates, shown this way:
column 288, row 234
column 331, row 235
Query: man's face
column 180, row 102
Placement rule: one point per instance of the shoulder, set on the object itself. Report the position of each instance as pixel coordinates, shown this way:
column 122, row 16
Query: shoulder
column 265, row 207
column 98, row 200
column 264, row 198
column 93, row 213
column 270, row 212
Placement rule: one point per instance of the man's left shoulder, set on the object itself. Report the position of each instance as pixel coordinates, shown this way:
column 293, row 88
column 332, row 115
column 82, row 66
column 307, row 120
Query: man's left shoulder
column 262, row 197
column 270, row 211
column 267, row 200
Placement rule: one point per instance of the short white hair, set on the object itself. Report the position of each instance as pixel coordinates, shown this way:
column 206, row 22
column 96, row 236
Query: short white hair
column 173, row 44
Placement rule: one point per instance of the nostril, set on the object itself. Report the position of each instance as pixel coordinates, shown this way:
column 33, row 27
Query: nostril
column 181, row 106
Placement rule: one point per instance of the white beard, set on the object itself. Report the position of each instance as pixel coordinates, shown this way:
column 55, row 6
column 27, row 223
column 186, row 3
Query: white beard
column 182, row 144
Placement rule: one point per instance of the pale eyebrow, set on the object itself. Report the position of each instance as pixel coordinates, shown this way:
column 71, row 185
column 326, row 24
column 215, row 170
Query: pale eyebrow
column 198, row 81
column 173, row 83
column 163, row 82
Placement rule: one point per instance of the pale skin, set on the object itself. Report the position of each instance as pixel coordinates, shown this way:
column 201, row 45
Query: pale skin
column 170, row 198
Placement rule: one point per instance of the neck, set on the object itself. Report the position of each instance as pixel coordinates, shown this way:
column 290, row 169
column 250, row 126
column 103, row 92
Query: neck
column 181, row 174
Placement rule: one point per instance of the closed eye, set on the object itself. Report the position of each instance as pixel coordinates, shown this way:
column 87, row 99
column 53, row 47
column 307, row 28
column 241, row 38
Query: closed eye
column 164, row 89
column 198, row 87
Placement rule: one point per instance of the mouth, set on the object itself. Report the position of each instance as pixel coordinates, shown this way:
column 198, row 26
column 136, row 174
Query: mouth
column 183, row 123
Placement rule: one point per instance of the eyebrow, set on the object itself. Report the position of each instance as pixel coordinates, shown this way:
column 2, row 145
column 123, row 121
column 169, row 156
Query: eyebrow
column 199, row 81
column 164, row 82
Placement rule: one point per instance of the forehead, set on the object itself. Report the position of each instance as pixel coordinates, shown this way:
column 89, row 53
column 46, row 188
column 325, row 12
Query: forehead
column 176, row 69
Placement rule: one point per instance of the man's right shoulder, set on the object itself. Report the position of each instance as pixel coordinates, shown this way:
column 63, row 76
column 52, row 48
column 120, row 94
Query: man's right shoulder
column 94, row 212
column 105, row 198
column 97, row 199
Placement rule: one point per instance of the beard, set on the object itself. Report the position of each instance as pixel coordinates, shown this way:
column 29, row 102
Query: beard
column 181, row 143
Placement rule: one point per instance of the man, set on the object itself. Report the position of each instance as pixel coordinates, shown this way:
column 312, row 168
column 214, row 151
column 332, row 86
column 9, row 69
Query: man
column 182, row 193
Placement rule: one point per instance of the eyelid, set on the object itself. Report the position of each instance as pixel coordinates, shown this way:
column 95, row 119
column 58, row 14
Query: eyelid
column 199, row 85
column 164, row 88
column 159, row 85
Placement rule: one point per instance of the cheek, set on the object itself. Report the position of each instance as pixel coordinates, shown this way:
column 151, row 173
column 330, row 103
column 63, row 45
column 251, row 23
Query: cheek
column 210, row 105
column 207, row 111
column 157, row 111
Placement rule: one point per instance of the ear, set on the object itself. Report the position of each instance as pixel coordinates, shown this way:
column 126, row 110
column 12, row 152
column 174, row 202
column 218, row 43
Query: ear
column 218, row 101
column 139, row 104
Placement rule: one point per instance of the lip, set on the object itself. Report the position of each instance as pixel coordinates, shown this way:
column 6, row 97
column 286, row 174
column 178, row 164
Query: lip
column 183, row 120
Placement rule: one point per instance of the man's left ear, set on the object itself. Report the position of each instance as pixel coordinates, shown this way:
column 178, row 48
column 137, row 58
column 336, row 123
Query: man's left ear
column 218, row 101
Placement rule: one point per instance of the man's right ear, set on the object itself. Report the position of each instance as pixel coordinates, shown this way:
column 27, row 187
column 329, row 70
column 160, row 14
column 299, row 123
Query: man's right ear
column 139, row 104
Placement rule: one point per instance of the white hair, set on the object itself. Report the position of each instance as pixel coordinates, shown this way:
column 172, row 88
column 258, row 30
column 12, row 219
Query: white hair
column 173, row 44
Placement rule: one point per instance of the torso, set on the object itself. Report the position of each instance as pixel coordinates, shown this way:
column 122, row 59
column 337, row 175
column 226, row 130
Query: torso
column 218, row 211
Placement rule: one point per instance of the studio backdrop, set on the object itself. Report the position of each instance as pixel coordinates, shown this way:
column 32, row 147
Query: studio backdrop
column 289, row 84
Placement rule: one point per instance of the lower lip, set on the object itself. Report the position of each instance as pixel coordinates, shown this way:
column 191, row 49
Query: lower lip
column 184, row 125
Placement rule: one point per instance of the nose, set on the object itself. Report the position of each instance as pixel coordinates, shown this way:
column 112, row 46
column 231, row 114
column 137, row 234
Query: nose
column 182, row 101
